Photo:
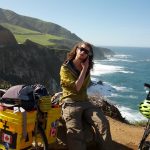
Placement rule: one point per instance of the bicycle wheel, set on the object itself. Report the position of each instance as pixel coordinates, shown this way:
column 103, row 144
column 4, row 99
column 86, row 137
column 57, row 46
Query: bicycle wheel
column 40, row 140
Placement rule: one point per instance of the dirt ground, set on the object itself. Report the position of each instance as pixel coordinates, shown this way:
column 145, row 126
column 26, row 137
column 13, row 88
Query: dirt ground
column 125, row 137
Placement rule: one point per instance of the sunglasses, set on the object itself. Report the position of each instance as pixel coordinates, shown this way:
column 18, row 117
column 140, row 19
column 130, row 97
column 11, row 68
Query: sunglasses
column 85, row 51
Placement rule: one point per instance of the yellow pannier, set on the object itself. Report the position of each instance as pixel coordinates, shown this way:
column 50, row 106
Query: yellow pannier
column 16, row 129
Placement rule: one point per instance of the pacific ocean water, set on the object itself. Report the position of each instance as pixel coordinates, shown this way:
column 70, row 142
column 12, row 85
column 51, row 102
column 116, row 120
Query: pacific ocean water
column 126, row 72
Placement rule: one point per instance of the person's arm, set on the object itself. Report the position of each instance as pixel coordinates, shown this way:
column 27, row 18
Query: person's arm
column 81, row 78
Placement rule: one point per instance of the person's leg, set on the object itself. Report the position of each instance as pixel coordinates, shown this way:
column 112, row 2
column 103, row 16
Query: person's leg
column 97, row 119
column 72, row 114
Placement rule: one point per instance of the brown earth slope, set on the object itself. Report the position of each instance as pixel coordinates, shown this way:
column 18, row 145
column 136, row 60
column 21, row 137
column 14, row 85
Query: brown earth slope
column 125, row 136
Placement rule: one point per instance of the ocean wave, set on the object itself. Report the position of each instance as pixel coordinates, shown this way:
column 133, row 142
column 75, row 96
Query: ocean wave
column 120, row 58
column 103, row 69
column 100, row 90
column 148, row 60
column 145, row 60
column 130, row 114
column 123, row 60
column 131, row 72
column 106, row 91
column 100, row 69
column 122, row 88
column 124, row 96
column 123, row 56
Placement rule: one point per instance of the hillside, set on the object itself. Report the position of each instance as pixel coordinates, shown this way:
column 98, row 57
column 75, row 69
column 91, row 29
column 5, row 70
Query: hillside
column 44, row 33
column 8, row 16
column 22, row 34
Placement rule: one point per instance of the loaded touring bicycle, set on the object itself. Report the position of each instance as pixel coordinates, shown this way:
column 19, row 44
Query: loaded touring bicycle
column 27, row 118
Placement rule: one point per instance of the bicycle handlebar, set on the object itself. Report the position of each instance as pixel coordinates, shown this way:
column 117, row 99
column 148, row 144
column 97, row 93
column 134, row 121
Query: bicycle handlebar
column 147, row 85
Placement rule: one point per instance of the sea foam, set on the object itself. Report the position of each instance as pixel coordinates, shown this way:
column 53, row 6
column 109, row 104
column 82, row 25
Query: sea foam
column 106, row 90
column 131, row 115
column 100, row 69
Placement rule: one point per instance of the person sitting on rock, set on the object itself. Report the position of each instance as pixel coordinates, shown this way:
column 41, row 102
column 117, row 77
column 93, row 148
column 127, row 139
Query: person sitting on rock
column 76, row 107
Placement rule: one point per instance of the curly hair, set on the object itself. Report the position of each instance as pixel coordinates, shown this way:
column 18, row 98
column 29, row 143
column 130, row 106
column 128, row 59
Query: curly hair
column 72, row 54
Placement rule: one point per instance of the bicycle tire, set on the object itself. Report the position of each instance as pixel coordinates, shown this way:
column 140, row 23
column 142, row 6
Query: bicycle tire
column 40, row 142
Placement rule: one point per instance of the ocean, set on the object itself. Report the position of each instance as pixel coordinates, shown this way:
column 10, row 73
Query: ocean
column 124, row 76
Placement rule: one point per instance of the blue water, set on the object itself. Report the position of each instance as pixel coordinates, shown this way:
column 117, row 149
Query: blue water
column 134, row 64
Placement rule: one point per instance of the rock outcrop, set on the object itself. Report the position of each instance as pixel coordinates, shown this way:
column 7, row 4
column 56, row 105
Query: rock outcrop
column 31, row 63
column 108, row 108
column 6, row 37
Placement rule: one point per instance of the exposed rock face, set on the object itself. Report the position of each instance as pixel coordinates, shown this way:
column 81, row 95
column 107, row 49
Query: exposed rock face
column 30, row 63
column 108, row 108
column 6, row 37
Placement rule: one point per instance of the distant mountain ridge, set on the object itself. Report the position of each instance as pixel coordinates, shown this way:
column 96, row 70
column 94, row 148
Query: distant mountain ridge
column 63, row 39
column 11, row 17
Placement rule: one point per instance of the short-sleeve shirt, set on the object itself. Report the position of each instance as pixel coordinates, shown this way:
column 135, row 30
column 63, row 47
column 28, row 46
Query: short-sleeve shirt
column 68, row 77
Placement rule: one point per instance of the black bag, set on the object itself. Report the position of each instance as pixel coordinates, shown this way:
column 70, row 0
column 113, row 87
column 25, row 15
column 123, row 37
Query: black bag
column 20, row 95
column 40, row 90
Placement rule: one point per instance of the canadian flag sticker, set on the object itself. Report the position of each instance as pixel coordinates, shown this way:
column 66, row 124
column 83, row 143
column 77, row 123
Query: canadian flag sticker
column 53, row 132
column 6, row 138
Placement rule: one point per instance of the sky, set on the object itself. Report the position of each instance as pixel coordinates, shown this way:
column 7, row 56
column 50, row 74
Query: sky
column 100, row 22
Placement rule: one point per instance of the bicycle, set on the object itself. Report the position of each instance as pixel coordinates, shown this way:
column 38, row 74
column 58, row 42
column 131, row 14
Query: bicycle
column 34, row 129
column 144, row 108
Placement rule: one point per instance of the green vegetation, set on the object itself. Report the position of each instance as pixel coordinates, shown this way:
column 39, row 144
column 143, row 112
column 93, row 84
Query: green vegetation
column 22, row 34
column 41, row 32
column 18, row 30
column 43, row 39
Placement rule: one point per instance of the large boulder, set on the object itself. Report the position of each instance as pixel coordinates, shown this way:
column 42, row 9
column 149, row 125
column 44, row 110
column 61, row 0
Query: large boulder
column 108, row 108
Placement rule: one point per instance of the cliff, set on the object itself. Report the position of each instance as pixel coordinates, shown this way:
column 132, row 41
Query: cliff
column 30, row 63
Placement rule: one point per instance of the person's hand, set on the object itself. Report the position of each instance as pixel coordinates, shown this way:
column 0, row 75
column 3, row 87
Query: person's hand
column 85, row 64
column 55, row 96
